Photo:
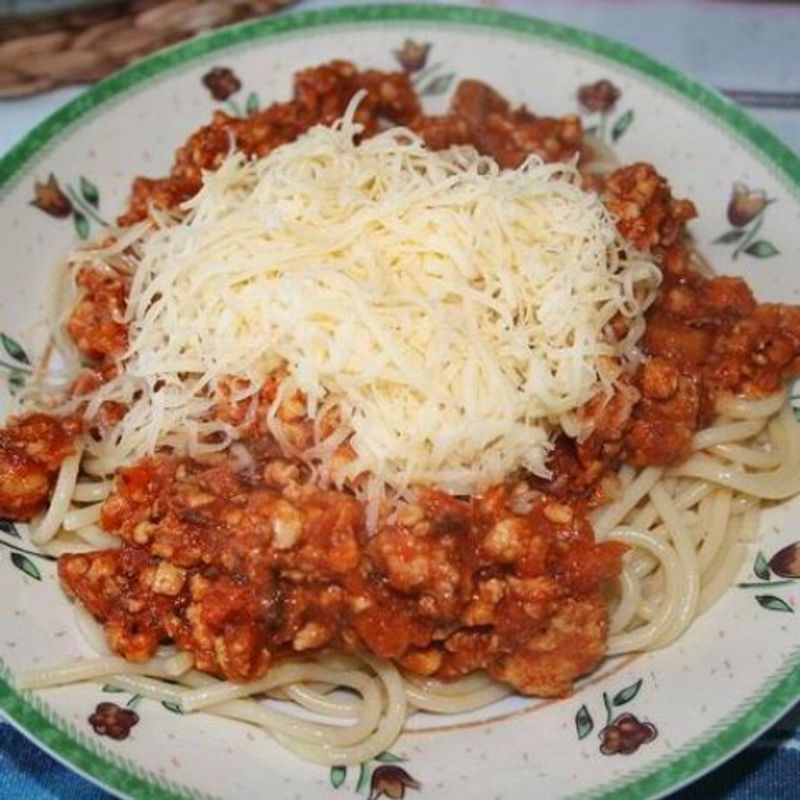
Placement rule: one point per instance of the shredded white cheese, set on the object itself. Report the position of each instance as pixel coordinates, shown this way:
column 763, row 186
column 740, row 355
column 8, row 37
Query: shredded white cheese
column 454, row 314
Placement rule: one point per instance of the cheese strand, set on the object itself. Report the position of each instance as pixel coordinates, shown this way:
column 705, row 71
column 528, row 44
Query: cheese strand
column 452, row 314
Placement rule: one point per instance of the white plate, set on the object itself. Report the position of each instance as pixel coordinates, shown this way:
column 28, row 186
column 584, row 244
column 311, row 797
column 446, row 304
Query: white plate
column 702, row 699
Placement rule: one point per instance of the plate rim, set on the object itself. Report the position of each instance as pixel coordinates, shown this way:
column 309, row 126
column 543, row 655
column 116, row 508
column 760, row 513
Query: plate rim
column 29, row 714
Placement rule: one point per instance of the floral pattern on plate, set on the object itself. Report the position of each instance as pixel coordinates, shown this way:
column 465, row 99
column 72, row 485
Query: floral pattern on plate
column 599, row 100
column 381, row 774
column 81, row 204
column 622, row 734
column 18, row 365
column 785, row 563
column 223, row 83
column 22, row 558
column 746, row 210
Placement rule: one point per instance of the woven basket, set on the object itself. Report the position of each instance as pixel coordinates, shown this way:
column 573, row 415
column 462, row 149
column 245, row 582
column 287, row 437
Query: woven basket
column 41, row 51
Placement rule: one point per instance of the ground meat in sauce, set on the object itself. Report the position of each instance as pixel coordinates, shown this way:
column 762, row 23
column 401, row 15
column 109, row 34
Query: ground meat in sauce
column 321, row 95
column 32, row 448
column 242, row 561
column 240, row 572
column 481, row 117
column 97, row 323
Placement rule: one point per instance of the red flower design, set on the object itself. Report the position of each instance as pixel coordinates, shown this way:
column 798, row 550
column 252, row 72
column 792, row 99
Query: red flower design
column 221, row 82
column 786, row 562
column 49, row 198
column 601, row 95
column 391, row 782
column 745, row 204
column 413, row 55
column 111, row 720
column 625, row 735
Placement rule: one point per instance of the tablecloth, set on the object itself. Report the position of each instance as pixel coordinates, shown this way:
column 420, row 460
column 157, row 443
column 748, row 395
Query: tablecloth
column 749, row 50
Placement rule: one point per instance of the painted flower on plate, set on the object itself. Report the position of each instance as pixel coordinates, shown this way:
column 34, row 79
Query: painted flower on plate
column 221, row 82
column 113, row 721
column 391, row 781
column 786, row 562
column 413, row 56
column 745, row 204
column 49, row 197
column 601, row 96
column 625, row 735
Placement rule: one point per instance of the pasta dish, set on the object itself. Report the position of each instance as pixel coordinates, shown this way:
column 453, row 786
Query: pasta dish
column 428, row 409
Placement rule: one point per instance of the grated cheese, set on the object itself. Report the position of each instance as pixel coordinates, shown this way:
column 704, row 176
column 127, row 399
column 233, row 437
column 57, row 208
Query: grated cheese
column 454, row 315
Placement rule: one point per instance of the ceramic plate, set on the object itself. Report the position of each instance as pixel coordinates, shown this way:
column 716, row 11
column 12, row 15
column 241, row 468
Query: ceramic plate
column 683, row 709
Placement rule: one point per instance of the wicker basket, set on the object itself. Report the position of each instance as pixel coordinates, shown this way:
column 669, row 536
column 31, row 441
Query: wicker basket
column 40, row 51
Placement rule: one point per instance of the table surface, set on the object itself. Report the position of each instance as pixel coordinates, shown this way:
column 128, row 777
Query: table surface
column 751, row 51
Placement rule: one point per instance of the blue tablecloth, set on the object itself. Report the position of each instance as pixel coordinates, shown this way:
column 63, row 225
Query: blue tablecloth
column 750, row 50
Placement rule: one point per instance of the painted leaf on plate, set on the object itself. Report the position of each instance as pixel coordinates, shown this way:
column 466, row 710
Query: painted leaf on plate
column 14, row 349
column 253, row 104
column 89, row 192
column 16, row 381
column 81, row 225
column 761, row 249
column 761, row 567
column 584, row 724
column 627, row 694
column 22, row 562
column 772, row 603
column 438, row 85
column 388, row 758
column 729, row 237
column 622, row 125
column 338, row 774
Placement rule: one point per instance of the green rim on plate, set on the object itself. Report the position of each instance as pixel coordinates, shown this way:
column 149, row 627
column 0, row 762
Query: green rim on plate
column 754, row 714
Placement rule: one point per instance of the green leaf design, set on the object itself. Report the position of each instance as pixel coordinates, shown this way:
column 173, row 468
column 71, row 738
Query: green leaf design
column 175, row 708
column 107, row 687
column 424, row 73
column 7, row 526
column 761, row 567
column 584, row 724
column 338, row 774
column 252, row 104
column 134, row 701
column 772, row 603
column 16, row 381
column 438, row 85
column 14, row 349
column 622, row 125
column 22, row 562
column 730, row 236
column 236, row 111
column 89, row 192
column 81, row 225
column 627, row 694
column 761, row 249
column 388, row 758
column 363, row 776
